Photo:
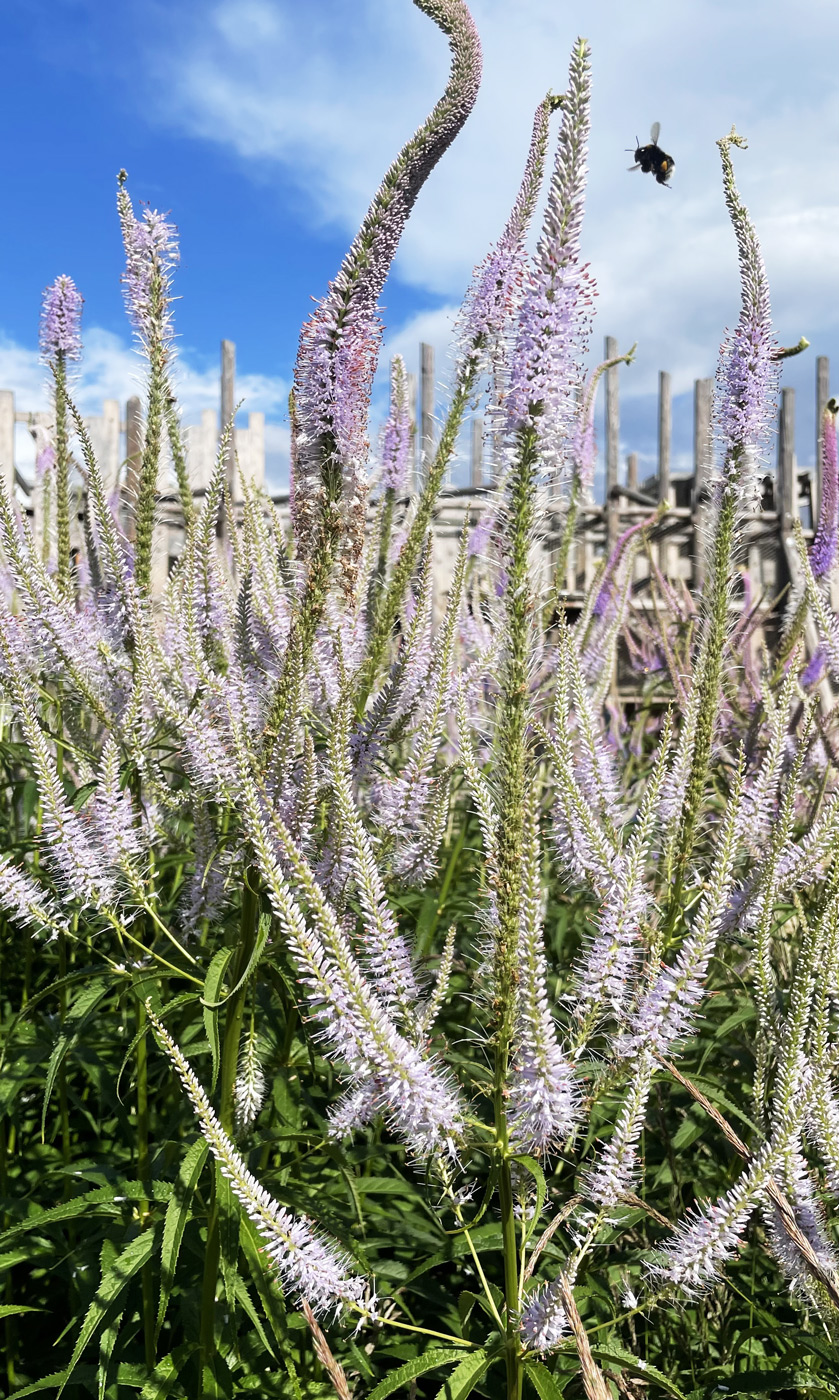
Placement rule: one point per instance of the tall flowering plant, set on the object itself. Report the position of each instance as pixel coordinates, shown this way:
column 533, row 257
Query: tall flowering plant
column 239, row 811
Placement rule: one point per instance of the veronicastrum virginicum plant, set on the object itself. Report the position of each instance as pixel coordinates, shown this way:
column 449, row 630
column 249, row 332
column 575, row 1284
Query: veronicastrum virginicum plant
column 234, row 788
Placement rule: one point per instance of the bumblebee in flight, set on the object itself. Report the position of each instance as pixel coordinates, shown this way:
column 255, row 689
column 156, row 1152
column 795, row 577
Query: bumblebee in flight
column 652, row 159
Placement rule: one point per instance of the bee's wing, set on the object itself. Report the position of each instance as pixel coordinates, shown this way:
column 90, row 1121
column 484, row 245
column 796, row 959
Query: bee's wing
column 655, row 131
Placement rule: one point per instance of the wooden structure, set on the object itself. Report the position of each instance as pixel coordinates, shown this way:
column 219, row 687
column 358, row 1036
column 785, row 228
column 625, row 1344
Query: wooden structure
column 791, row 491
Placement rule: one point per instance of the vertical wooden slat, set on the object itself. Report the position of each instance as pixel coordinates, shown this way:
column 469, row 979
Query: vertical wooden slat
column 476, row 475
column 786, row 483
column 7, row 437
column 632, row 471
column 228, row 403
column 133, row 456
column 822, row 396
column 612, row 442
column 702, row 440
column 665, row 433
column 413, row 473
column 426, row 409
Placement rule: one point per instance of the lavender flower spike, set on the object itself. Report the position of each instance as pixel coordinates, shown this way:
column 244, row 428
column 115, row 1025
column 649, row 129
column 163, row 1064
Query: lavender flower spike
column 542, row 1099
column 544, row 1321
column 497, row 282
column 823, row 548
column 555, row 317
column 151, row 254
column 339, row 345
column 747, row 376
column 396, row 437
column 61, row 316
column 309, row 1265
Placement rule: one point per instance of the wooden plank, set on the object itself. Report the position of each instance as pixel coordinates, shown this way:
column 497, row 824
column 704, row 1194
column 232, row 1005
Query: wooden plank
column 665, row 434
column 786, row 485
column 426, row 409
column 7, row 437
column 822, row 396
column 476, row 469
column 703, row 393
column 228, row 404
column 632, row 471
column 133, row 457
column 413, row 470
column 612, row 442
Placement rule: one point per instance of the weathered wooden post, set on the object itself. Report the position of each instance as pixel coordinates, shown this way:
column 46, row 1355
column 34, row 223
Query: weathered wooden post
column 426, row 411
column 702, row 442
column 786, row 490
column 7, row 438
column 476, row 472
column 632, row 471
column 228, row 404
column 133, row 458
column 822, row 396
column 612, row 443
column 413, row 470
column 665, row 435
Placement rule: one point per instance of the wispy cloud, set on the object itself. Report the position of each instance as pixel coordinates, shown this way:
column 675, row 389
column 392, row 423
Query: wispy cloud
column 328, row 96
column 112, row 369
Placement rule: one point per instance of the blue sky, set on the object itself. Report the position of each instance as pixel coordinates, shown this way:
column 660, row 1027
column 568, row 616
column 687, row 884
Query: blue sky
column 264, row 126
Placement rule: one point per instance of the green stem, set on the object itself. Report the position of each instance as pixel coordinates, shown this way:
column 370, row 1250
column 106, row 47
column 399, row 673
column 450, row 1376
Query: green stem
column 62, row 473
column 512, row 764
column 709, row 693
column 391, row 600
column 144, row 1173
column 236, row 1005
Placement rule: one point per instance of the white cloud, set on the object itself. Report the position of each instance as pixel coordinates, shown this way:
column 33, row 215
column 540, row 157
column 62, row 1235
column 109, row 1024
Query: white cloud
column 111, row 368
column 328, row 95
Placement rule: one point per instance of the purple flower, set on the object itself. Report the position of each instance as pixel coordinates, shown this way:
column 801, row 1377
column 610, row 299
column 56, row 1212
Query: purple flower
column 339, row 344
column 823, row 548
column 544, row 1321
column 61, row 316
column 151, row 254
column 555, row 317
column 747, row 375
column 397, row 437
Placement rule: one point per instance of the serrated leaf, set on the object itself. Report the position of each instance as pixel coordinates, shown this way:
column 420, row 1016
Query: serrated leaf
column 136, row 1253
column 75, row 1022
column 166, row 1372
column 174, row 1224
column 256, row 953
column 531, row 1165
column 542, row 1381
column 12, row 1309
column 210, row 1004
column 403, row 1375
column 618, row 1355
column 465, row 1377
column 109, row 1198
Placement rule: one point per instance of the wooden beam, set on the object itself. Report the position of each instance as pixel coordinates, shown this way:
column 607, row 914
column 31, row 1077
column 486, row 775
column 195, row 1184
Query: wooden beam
column 228, row 404
column 703, row 393
column 133, row 458
column 476, row 474
column 786, row 489
column 612, row 442
column 822, row 396
column 426, row 410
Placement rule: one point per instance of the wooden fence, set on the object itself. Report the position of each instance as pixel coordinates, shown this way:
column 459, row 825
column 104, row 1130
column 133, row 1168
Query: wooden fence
column 792, row 491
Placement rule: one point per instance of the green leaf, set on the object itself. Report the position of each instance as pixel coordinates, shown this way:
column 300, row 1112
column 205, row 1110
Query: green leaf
column 108, row 1199
column 256, row 954
column 177, row 1214
column 211, row 1003
column 429, row 1361
column 542, row 1380
column 532, row 1166
column 80, row 1013
column 618, row 1355
column 166, row 1372
column 465, row 1377
column 487, row 1236
column 50, row 1382
column 12, row 1309
column 129, row 1262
